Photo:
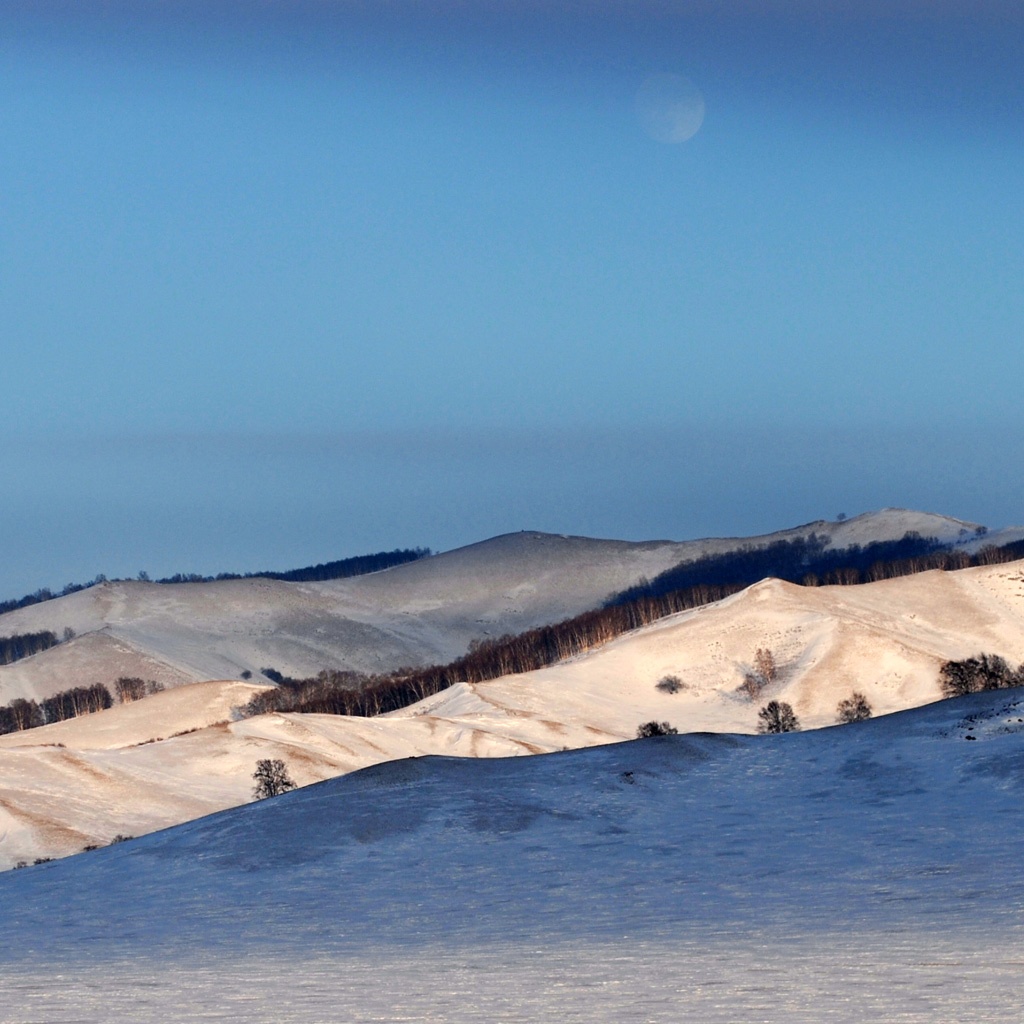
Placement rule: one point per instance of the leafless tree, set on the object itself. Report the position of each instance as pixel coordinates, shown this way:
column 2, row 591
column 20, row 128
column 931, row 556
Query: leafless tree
column 764, row 664
column 129, row 688
column 272, row 778
column 854, row 709
column 761, row 675
column 777, row 716
column 753, row 684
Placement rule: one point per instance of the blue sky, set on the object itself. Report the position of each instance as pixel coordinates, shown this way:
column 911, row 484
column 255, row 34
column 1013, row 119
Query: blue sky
column 286, row 282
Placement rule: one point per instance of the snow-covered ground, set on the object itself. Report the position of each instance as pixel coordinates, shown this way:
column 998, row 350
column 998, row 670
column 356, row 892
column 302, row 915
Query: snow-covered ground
column 422, row 612
column 180, row 754
column 860, row 873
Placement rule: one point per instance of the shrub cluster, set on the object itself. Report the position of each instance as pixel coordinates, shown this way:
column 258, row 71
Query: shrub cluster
column 669, row 684
column 655, row 729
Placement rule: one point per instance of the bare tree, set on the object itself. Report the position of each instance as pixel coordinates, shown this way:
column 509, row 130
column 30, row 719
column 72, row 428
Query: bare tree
column 129, row 688
column 777, row 716
column 763, row 674
column 272, row 778
column 854, row 709
column 764, row 665
column 753, row 684
column 25, row 714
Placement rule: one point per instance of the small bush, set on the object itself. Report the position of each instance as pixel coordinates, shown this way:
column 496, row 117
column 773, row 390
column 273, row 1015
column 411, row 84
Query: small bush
column 669, row 684
column 655, row 729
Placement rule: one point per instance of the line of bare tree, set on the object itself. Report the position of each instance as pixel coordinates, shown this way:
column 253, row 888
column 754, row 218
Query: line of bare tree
column 343, row 568
column 982, row 672
column 21, row 714
column 348, row 693
column 24, row 645
column 807, row 561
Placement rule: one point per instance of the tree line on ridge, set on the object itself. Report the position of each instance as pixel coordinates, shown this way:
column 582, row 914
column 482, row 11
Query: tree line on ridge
column 348, row 693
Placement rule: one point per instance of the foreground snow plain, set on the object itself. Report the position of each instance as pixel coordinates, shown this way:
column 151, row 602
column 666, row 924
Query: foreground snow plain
column 860, row 873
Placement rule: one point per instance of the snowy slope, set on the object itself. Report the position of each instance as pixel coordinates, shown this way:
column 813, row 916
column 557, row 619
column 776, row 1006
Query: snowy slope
column 418, row 613
column 129, row 773
column 862, row 873
column 886, row 639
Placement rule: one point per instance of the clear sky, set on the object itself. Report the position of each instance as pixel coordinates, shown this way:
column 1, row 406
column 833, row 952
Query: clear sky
column 288, row 281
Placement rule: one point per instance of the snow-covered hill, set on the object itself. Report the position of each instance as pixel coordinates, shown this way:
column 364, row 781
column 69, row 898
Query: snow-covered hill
column 886, row 639
column 418, row 613
column 862, row 873
column 126, row 771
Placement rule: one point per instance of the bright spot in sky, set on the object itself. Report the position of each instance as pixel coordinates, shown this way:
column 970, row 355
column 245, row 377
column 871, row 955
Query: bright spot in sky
column 670, row 107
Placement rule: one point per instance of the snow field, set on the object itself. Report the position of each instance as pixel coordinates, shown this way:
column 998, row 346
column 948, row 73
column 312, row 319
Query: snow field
column 847, row 979
column 862, row 873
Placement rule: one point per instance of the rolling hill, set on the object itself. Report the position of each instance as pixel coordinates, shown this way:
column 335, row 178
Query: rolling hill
column 124, row 771
column 862, row 873
column 420, row 613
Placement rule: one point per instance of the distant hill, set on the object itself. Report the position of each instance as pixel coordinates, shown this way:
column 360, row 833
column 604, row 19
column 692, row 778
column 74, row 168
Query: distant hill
column 424, row 611
column 340, row 569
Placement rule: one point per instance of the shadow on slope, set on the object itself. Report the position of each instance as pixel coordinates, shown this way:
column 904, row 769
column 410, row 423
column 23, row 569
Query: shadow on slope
column 893, row 823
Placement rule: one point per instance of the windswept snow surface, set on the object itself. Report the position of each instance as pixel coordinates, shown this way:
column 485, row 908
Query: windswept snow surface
column 861, row 873
column 414, row 614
